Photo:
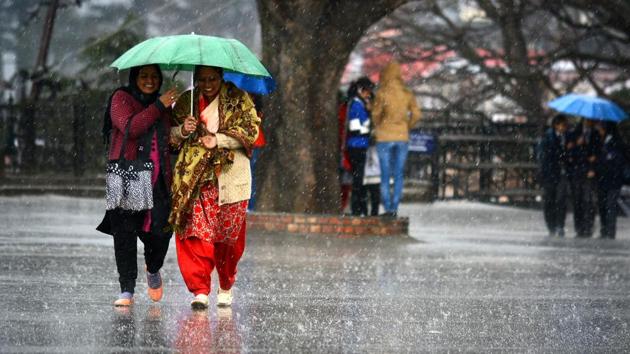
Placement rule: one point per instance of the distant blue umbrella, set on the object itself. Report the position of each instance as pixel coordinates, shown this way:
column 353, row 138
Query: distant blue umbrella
column 261, row 85
column 594, row 108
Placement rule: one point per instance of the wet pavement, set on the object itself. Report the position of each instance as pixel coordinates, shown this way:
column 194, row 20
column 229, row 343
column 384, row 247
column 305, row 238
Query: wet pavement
column 472, row 277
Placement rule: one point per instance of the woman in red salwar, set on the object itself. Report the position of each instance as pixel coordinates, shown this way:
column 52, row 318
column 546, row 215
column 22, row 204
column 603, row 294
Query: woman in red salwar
column 212, row 183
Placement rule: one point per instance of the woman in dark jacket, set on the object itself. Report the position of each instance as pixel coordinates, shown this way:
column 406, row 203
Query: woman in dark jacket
column 610, row 165
column 358, row 140
column 141, row 104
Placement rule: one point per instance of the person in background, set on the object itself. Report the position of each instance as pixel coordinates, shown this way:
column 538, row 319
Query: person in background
column 212, row 183
column 259, row 144
column 610, row 168
column 372, row 180
column 582, row 151
column 345, row 169
column 395, row 113
column 358, row 141
column 553, row 173
column 140, row 105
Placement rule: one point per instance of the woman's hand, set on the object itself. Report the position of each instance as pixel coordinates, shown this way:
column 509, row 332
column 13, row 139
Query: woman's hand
column 368, row 105
column 169, row 97
column 189, row 125
column 208, row 141
column 580, row 141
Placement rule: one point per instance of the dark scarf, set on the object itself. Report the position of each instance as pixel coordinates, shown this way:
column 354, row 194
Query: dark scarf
column 133, row 90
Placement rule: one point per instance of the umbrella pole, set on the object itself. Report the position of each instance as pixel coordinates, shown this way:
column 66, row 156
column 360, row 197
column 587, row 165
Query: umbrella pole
column 192, row 91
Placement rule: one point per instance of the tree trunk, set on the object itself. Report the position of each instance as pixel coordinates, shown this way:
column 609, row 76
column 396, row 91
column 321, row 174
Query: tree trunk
column 305, row 46
column 529, row 79
column 526, row 86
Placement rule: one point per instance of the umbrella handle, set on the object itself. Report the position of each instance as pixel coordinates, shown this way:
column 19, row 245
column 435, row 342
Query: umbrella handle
column 192, row 91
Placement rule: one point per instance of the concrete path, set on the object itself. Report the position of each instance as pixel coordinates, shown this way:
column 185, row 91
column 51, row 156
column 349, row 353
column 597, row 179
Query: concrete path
column 472, row 277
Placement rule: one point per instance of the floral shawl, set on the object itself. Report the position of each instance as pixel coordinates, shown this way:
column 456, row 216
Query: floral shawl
column 196, row 165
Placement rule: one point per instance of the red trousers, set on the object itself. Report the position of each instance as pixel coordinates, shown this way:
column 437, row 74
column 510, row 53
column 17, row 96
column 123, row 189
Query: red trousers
column 197, row 258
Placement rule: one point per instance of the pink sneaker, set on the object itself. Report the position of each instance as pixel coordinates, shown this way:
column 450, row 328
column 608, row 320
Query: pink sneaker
column 154, row 286
column 125, row 299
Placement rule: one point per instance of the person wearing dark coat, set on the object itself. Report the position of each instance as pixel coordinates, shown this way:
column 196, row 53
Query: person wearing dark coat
column 358, row 142
column 552, row 158
column 583, row 149
column 610, row 165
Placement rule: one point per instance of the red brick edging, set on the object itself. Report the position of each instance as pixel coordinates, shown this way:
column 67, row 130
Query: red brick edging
column 321, row 224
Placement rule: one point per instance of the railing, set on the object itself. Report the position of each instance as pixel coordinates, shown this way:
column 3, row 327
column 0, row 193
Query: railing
column 472, row 158
column 479, row 160
column 67, row 132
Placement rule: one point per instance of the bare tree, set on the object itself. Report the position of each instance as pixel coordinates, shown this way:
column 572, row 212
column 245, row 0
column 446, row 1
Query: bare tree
column 509, row 49
column 604, row 31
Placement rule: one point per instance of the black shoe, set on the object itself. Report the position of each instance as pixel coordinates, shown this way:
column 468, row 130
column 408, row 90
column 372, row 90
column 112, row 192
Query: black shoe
column 389, row 214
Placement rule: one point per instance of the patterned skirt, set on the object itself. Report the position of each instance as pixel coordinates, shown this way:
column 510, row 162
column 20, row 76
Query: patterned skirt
column 211, row 222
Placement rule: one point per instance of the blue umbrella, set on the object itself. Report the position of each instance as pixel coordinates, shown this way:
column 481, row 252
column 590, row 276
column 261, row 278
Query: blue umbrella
column 261, row 85
column 594, row 108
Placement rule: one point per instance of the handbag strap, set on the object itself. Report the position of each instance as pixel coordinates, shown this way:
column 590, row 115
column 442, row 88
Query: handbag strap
column 123, row 147
column 145, row 142
column 161, row 141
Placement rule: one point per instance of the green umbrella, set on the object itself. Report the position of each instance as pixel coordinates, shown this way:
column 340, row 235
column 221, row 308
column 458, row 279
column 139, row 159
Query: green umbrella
column 183, row 52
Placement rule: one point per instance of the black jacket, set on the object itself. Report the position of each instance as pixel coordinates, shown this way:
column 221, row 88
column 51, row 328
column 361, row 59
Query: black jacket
column 610, row 164
column 552, row 157
column 577, row 156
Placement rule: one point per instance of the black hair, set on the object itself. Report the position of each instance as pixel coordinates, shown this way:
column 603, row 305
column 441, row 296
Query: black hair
column 199, row 67
column 364, row 83
column 559, row 119
column 352, row 90
column 132, row 89
column 611, row 129
column 135, row 90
